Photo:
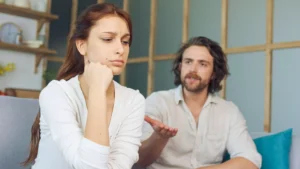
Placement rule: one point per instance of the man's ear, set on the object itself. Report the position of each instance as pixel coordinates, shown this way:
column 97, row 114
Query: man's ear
column 212, row 76
column 81, row 46
column 179, row 66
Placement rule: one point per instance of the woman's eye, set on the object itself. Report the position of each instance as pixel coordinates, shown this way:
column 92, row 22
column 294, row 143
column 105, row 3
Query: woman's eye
column 126, row 42
column 107, row 39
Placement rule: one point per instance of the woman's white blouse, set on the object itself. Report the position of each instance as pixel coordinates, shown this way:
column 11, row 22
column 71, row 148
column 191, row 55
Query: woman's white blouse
column 63, row 120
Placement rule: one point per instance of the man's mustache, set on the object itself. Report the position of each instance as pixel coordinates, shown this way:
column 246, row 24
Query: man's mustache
column 193, row 75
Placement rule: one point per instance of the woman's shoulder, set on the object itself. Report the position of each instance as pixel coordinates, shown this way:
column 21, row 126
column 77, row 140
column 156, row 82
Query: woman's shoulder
column 58, row 88
column 53, row 87
column 129, row 94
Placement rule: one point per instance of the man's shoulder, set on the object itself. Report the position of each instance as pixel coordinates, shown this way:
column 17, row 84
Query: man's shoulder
column 225, row 105
column 162, row 95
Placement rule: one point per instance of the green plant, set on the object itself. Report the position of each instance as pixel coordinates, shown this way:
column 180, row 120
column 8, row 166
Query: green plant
column 49, row 75
column 7, row 68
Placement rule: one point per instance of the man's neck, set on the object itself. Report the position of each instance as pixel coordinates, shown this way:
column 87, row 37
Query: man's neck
column 191, row 97
column 195, row 102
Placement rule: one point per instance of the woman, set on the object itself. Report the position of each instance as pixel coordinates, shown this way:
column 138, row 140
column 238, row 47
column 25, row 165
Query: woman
column 87, row 120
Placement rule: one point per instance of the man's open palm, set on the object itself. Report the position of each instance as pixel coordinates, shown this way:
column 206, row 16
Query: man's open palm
column 161, row 129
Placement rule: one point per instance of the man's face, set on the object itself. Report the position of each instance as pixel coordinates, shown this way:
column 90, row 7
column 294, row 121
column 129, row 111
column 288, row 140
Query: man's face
column 196, row 69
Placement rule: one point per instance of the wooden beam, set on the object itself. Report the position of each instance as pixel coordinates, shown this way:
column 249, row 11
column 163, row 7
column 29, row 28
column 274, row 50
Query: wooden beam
column 151, row 47
column 185, row 22
column 155, row 58
column 25, row 12
column 281, row 45
column 123, row 74
column 267, row 95
column 224, row 24
column 38, row 59
column 45, row 66
column 55, row 59
column 164, row 57
column 245, row 49
column 268, row 69
column 126, row 5
column 224, row 35
column 138, row 60
column 73, row 17
column 47, row 33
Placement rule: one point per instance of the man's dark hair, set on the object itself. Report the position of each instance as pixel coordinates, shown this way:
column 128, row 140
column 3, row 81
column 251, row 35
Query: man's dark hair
column 220, row 67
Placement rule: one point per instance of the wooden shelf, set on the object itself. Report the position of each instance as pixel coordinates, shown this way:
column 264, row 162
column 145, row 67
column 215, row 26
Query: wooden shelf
column 26, row 12
column 22, row 48
column 24, row 93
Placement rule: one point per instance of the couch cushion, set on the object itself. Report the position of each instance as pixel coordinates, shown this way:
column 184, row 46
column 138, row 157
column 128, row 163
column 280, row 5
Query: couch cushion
column 275, row 150
column 295, row 148
column 16, row 118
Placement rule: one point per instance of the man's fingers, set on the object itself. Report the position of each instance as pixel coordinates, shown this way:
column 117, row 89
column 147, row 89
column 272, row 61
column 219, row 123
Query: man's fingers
column 175, row 132
column 148, row 119
column 163, row 131
column 169, row 133
column 161, row 128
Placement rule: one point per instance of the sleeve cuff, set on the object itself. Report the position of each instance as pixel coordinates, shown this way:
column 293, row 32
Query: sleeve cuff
column 93, row 153
column 254, row 158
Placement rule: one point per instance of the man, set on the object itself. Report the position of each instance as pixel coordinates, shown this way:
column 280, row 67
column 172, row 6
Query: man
column 190, row 127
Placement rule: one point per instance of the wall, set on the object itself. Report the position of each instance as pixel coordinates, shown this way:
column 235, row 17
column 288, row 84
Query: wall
column 246, row 84
column 246, row 27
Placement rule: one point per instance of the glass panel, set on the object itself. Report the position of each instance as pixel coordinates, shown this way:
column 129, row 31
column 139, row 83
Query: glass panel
column 118, row 3
column 60, row 28
column 285, row 90
column 117, row 78
column 246, row 22
column 205, row 19
column 136, row 77
column 168, row 26
column 286, row 20
column 245, row 87
column 52, row 71
column 163, row 77
column 140, row 15
column 82, row 5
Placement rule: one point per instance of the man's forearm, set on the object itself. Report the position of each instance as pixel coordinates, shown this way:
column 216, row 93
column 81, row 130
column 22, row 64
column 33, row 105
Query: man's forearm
column 150, row 149
column 235, row 163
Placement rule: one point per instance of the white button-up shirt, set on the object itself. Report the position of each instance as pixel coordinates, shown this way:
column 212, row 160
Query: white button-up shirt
column 221, row 127
column 63, row 120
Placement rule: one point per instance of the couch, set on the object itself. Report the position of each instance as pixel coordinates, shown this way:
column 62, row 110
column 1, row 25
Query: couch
column 16, row 118
column 18, row 114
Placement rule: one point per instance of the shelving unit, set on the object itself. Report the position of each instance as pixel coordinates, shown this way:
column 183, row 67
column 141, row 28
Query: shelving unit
column 27, row 13
column 42, row 18
column 23, row 48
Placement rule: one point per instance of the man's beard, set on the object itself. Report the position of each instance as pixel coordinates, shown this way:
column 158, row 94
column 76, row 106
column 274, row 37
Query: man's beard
column 194, row 88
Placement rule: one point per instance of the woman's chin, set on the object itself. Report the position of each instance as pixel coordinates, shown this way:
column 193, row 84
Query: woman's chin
column 117, row 71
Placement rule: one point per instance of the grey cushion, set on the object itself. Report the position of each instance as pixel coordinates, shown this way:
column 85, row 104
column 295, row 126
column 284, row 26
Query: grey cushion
column 16, row 118
column 295, row 153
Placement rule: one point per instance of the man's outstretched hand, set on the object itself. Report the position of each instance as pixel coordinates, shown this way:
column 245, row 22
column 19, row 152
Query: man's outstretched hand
column 162, row 130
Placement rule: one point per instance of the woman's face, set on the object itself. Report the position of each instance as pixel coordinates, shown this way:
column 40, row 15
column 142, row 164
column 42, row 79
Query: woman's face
column 108, row 43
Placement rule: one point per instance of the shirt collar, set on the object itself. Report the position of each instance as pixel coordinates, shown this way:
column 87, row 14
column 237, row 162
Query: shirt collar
column 179, row 97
